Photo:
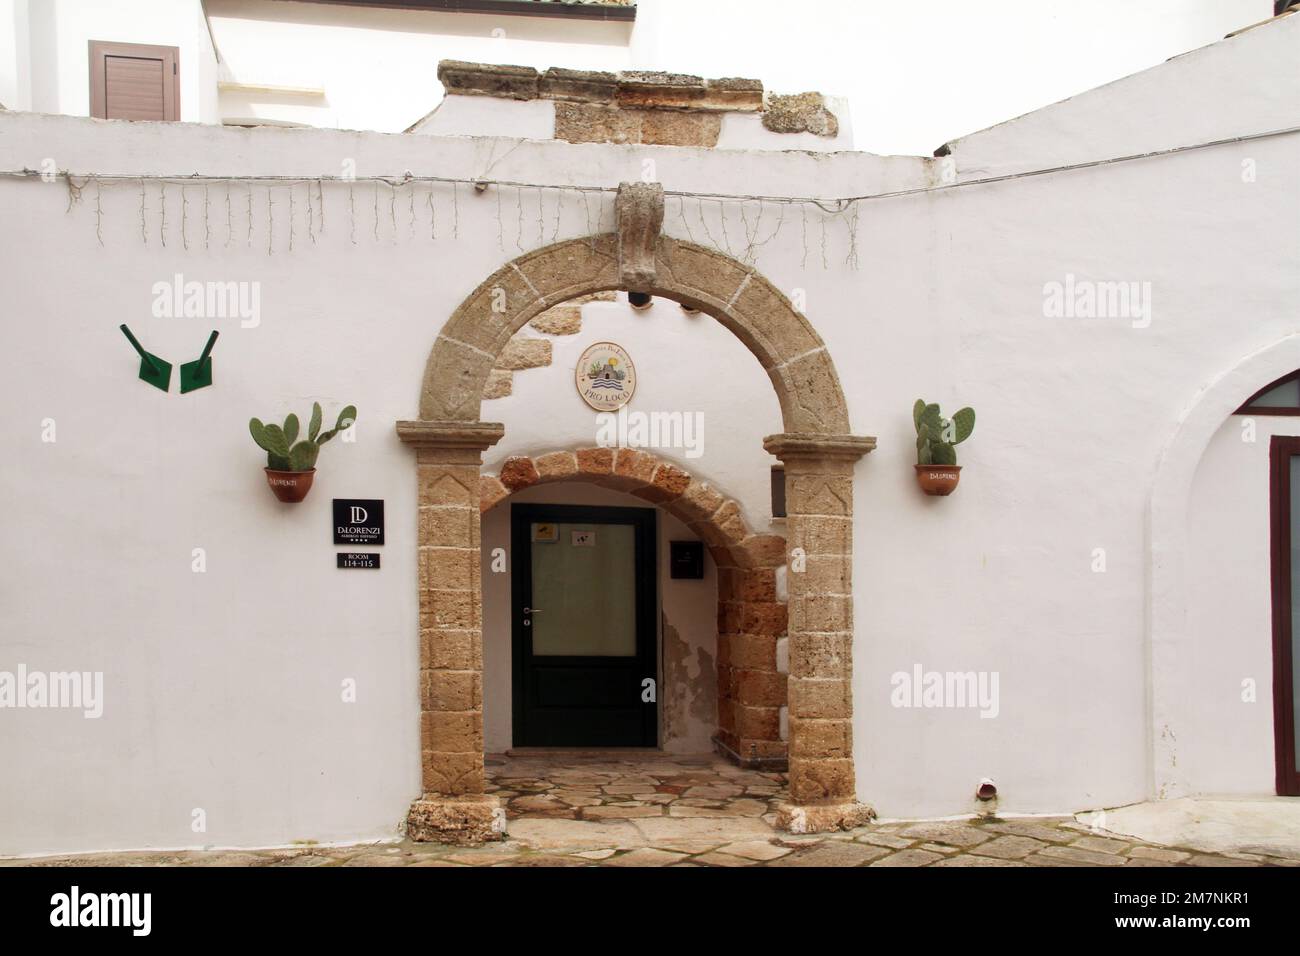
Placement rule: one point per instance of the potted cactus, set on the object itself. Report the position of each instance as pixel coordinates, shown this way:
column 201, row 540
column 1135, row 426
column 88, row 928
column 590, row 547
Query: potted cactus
column 937, row 471
column 291, row 464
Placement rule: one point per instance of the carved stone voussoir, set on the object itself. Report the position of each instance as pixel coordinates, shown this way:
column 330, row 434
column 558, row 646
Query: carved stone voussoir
column 640, row 208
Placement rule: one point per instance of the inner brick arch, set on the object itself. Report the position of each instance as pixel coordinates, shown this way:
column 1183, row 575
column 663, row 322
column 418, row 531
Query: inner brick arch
column 816, row 448
column 751, row 616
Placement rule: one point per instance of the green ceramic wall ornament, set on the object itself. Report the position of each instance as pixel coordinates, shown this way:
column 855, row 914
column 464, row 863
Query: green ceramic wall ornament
column 152, row 369
column 198, row 374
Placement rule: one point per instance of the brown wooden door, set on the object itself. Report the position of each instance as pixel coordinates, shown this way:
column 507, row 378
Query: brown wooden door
column 1284, row 484
column 134, row 81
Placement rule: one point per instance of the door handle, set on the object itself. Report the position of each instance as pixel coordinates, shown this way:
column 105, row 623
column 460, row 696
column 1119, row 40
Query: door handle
column 528, row 613
column 532, row 610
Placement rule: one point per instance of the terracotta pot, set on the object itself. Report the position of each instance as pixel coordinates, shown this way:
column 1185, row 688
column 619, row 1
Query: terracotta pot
column 290, row 486
column 938, row 479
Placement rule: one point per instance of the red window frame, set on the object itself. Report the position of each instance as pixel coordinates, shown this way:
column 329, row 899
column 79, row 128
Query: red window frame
column 1281, row 449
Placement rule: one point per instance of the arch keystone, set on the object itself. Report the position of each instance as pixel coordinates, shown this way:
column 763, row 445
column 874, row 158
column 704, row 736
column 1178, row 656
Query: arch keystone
column 640, row 211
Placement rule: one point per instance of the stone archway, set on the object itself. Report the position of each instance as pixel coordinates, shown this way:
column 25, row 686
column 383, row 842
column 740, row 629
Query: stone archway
column 816, row 448
column 751, row 616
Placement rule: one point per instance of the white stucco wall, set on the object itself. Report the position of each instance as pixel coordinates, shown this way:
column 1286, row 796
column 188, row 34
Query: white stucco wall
column 223, row 688
column 1228, row 746
column 15, row 45
column 544, row 411
column 1117, row 117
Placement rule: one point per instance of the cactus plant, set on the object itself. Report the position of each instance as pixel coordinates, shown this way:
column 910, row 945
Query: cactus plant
column 280, row 442
column 936, row 436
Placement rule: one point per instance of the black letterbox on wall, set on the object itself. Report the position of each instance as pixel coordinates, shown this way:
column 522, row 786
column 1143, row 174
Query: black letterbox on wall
column 686, row 559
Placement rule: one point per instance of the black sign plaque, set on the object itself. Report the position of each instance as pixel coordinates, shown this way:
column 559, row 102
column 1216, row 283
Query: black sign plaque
column 359, row 521
column 358, row 559
column 686, row 559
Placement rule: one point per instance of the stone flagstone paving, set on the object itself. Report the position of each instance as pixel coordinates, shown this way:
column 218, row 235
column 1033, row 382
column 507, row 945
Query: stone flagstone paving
column 659, row 810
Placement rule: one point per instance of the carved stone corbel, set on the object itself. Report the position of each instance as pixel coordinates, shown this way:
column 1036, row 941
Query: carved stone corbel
column 640, row 211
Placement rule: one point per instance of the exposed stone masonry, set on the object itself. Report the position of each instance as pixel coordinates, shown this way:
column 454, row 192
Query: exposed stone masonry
column 636, row 89
column 561, row 320
column 800, row 113
column 654, row 108
column 451, row 640
column 819, row 499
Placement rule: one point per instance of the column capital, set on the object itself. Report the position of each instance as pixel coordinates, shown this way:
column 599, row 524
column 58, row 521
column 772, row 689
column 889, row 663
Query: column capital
column 467, row 436
column 805, row 446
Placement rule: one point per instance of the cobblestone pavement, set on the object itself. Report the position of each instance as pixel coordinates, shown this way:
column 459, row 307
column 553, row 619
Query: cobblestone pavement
column 657, row 810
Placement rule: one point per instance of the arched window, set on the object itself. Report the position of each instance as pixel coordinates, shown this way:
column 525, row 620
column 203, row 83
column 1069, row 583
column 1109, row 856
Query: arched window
column 1277, row 398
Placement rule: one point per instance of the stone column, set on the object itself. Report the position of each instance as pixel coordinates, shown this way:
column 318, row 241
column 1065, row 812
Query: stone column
column 751, row 621
column 454, row 807
column 819, row 510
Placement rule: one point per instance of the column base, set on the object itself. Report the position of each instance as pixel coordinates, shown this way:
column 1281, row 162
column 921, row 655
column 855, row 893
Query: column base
column 467, row 820
column 823, row 817
column 774, row 759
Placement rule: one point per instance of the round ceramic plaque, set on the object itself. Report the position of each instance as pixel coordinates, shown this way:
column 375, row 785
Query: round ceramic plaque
column 605, row 376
